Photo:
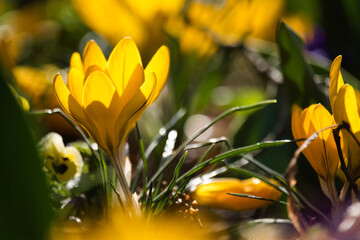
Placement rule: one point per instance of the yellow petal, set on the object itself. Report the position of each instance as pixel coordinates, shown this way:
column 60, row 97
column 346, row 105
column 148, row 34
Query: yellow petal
column 135, row 107
column 75, row 83
column 63, row 95
column 101, row 103
column 69, row 103
column 93, row 56
column 112, row 19
column 295, row 123
column 122, row 62
column 76, row 62
column 323, row 149
column 320, row 119
column 90, row 70
column 305, row 119
column 159, row 64
column 346, row 108
column 336, row 80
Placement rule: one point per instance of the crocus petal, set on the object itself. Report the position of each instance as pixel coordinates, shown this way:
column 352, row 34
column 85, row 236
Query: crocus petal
column 305, row 121
column 90, row 70
column 75, row 83
column 122, row 62
column 346, row 108
column 295, row 123
column 136, row 81
column 336, row 80
column 135, row 107
column 159, row 64
column 323, row 149
column 70, row 105
column 99, row 98
column 93, row 56
column 75, row 62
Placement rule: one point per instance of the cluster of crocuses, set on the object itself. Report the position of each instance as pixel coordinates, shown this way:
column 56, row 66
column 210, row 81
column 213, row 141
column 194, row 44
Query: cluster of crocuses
column 331, row 149
column 107, row 97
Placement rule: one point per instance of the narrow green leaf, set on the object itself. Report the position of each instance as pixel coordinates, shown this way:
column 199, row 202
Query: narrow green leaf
column 255, row 197
column 249, row 173
column 154, row 143
column 173, row 180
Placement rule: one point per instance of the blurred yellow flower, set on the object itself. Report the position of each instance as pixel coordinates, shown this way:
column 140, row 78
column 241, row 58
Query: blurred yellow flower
column 122, row 227
column 233, row 20
column 36, row 84
column 345, row 104
column 214, row 194
column 192, row 40
column 302, row 25
column 107, row 97
column 20, row 28
column 64, row 162
column 140, row 19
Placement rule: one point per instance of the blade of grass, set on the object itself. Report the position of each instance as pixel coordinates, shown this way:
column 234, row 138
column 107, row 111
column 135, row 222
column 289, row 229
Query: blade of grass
column 144, row 161
column 255, row 197
column 163, row 132
column 266, row 169
column 173, row 180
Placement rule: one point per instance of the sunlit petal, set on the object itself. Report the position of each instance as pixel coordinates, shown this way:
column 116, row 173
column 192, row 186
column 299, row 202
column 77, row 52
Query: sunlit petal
column 159, row 65
column 136, row 81
column 336, row 80
column 75, row 83
column 93, row 56
column 76, row 62
column 122, row 63
column 295, row 122
column 70, row 105
column 98, row 98
column 346, row 108
column 135, row 107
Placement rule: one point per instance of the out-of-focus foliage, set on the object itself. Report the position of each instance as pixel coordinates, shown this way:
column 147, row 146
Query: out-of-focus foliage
column 25, row 201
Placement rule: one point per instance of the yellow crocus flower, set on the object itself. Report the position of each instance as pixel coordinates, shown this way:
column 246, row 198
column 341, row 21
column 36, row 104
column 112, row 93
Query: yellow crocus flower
column 107, row 97
column 345, row 103
column 322, row 152
column 215, row 194
column 64, row 162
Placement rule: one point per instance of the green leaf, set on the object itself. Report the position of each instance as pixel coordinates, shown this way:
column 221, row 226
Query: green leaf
column 24, row 204
column 298, row 75
column 173, row 180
